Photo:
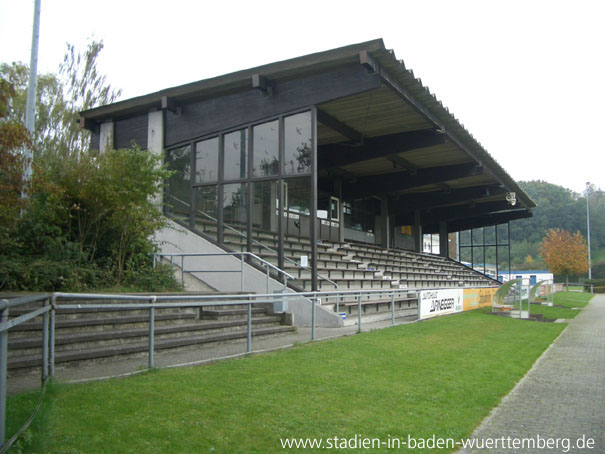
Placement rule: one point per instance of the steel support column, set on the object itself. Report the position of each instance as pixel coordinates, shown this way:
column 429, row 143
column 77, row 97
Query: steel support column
column 313, row 220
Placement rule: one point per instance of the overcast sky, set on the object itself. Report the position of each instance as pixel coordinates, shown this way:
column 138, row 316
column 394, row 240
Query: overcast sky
column 526, row 78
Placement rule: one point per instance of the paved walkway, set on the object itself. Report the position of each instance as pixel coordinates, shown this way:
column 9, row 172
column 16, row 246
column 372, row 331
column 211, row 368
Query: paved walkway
column 562, row 396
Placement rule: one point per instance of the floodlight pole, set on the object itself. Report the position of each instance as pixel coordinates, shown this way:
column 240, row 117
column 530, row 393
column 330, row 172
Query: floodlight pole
column 588, row 229
column 30, row 107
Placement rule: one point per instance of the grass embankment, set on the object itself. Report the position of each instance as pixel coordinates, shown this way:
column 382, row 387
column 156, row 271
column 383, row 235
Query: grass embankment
column 441, row 376
column 569, row 300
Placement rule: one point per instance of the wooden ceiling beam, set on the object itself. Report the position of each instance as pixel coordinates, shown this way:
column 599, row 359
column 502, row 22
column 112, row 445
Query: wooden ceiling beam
column 479, row 221
column 376, row 185
column 341, row 128
column 454, row 212
column 437, row 199
column 403, row 163
column 338, row 155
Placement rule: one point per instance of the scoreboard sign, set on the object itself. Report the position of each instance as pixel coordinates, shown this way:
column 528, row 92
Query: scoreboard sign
column 440, row 302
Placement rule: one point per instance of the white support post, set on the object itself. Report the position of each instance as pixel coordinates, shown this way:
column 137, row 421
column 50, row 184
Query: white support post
column 155, row 139
column 106, row 137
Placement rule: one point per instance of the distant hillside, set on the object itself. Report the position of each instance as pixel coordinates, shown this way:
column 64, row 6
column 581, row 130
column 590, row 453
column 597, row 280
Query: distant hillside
column 557, row 207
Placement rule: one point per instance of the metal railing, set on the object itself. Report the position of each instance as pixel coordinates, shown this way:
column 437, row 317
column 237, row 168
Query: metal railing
column 268, row 266
column 48, row 324
column 253, row 241
column 53, row 303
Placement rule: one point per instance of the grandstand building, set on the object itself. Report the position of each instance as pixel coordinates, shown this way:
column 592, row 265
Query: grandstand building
column 332, row 166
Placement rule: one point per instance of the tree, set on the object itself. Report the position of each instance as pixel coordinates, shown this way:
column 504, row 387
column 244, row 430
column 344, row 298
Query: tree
column 89, row 217
column 13, row 138
column 59, row 98
column 565, row 253
column 88, row 223
column 557, row 208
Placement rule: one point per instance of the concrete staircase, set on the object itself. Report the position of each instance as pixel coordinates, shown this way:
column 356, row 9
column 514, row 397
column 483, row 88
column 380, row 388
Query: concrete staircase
column 85, row 335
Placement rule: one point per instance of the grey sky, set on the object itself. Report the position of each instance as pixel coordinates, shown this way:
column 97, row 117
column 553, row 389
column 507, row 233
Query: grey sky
column 526, row 78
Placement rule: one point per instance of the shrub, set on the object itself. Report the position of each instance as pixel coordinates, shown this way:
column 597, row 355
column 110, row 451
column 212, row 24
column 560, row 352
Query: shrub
column 88, row 224
column 596, row 282
column 598, row 270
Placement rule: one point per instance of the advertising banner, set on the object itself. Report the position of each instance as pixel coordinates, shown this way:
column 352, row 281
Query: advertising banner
column 474, row 298
column 440, row 302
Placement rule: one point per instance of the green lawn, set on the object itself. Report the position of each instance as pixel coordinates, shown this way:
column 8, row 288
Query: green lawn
column 569, row 301
column 572, row 299
column 440, row 376
column 553, row 312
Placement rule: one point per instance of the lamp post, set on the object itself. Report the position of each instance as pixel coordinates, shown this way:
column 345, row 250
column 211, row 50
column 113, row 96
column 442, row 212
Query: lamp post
column 588, row 229
column 30, row 106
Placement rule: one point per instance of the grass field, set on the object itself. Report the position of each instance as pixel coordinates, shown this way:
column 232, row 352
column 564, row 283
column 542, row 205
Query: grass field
column 553, row 312
column 572, row 299
column 569, row 301
column 440, row 376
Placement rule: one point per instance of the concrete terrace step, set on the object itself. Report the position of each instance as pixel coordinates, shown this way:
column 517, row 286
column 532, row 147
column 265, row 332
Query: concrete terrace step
column 222, row 313
column 94, row 336
column 32, row 361
column 87, row 322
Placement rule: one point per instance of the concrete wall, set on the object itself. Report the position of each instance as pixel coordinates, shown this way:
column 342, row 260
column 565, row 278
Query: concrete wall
column 155, row 139
column 106, row 137
column 177, row 239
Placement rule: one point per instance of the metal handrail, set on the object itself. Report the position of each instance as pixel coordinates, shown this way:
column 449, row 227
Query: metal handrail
column 19, row 301
column 203, row 254
column 151, row 302
column 47, row 313
column 258, row 243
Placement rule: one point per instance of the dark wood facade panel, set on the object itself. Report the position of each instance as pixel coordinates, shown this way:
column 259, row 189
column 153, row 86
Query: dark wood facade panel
column 212, row 115
column 131, row 129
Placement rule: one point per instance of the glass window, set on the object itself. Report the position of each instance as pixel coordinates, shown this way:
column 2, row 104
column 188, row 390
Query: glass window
column 178, row 192
column 236, row 155
column 266, row 149
column 360, row 214
column 334, row 208
column 298, row 149
column 234, row 206
column 265, row 208
column 206, row 212
column 206, row 161
column 298, row 206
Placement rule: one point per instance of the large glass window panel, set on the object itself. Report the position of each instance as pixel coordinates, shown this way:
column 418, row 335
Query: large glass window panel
column 298, row 143
column 298, row 206
column 178, row 191
column 235, row 212
column 265, row 205
column 236, row 155
column 206, row 213
column 206, row 161
column 266, row 149
column 360, row 215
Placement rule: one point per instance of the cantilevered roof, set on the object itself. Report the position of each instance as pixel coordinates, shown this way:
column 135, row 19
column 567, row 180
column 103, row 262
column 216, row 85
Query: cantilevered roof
column 397, row 139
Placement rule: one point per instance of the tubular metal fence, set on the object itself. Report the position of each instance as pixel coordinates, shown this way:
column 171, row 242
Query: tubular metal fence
column 57, row 302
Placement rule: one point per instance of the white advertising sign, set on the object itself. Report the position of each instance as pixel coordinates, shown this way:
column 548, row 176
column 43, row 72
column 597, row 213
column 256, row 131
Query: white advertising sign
column 440, row 302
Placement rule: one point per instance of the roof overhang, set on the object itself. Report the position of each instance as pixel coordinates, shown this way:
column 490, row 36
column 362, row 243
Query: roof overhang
column 397, row 141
